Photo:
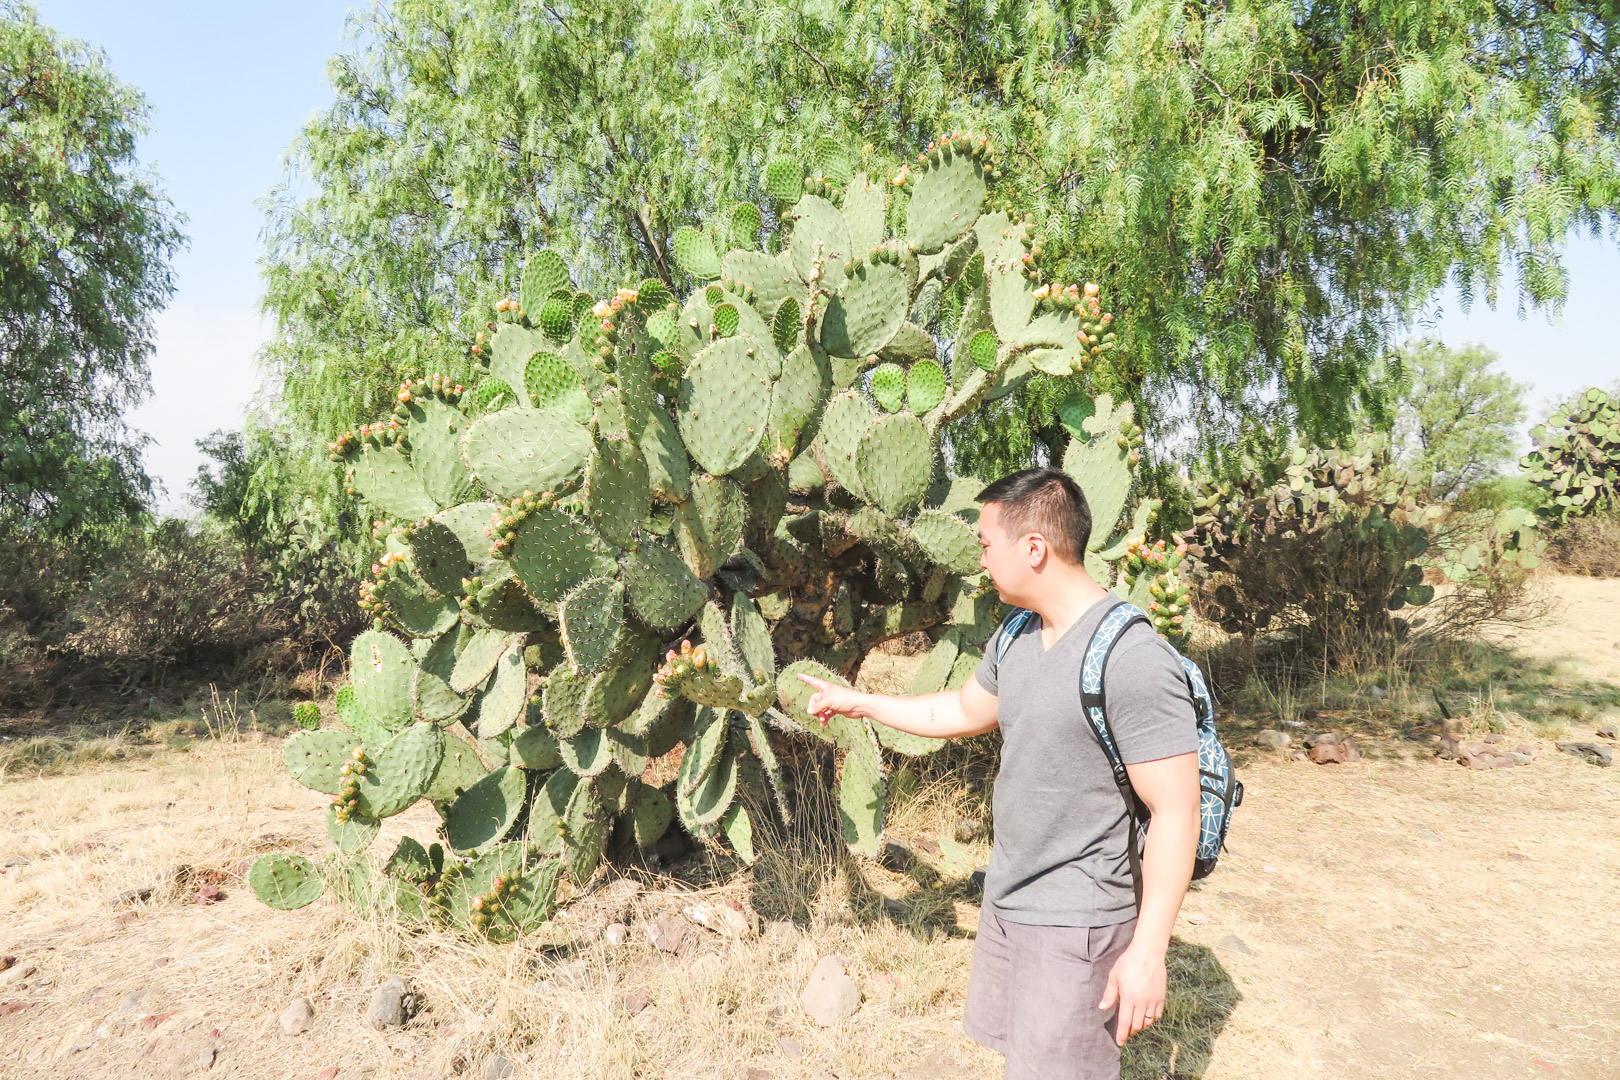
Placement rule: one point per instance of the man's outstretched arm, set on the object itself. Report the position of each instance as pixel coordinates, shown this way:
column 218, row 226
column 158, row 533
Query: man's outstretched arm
column 970, row 710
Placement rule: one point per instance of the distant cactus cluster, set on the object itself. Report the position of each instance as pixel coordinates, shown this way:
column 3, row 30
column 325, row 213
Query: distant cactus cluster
column 1576, row 460
column 610, row 557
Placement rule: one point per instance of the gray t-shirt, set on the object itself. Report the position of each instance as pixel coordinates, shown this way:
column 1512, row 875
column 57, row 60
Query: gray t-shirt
column 1060, row 855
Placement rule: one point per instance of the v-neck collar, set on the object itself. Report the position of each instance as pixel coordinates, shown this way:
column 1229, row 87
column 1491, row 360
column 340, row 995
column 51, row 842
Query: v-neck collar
column 1042, row 648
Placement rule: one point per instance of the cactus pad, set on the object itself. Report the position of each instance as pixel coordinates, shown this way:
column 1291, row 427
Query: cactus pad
column 387, row 481
column 925, row 387
column 819, row 231
column 285, row 882
column 725, row 402
column 500, row 706
column 889, row 387
column 381, row 669
column 564, row 701
column 861, row 790
column 353, row 834
column 945, row 201
column 863, row 211
column 695, row 253
column 553, row 383
column 865, row 313
column 313, row 758
column 486, row 811
column 948, row 540
column 616, row 490
column 518, row 450
column 784, row 178
column 400, row 771
column 662, row 591
column 592, row 618
column 844, row 423
column 798, row 395
column 588, row 753
column 544, row 274
column 554, row 553
column 895, row 460
column 476, row 659
column 709, row 525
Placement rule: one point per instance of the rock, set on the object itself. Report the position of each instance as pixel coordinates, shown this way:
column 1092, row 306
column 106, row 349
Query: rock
column 1590, row 752
column 1273, row 738
column 497, row 1067
column 618, row 900
column 616, row 933
column 636, row 1000
column 209, row 894
column 392, row 1005
column 1298, row 755
column 206, row 1058
column 1233, row 943
column 1494, row 738
column 780, row 929
column 1520, row 758
column 131, row 1001
column 922, row 843
column 19, row 973
column 969, row 829
column 1608, row 731
column 1479, row 756
column 706, row 966
column 1323, row 737
column 132, row 896
column 298, row 1017
column 830, row 995
column 6, row 962
column 1198, row 920
column 726, row 917
column 668, row 932
column 16, row 860
column 1342, row 752
column 1449, row 749
column 1425, row 834
column 790, row 1048
column 758, row 1074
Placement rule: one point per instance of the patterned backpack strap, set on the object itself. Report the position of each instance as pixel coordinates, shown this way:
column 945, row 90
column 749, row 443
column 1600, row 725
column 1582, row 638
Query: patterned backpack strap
column 1011, row 627
column 1114, row 624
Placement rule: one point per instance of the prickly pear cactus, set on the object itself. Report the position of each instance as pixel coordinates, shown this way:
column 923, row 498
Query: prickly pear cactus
column 1577, row 457
column 607, row 560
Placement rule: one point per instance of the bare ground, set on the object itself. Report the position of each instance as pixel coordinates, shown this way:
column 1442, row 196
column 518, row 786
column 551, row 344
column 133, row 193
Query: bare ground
column 1399, row 917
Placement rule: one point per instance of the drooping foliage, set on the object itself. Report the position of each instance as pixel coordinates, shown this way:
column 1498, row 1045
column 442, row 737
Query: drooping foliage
column 85, row 242
column 1276, row 186
column 611, row 552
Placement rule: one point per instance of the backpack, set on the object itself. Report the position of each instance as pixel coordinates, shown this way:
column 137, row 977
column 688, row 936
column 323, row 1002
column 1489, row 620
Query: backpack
column 1219, row 790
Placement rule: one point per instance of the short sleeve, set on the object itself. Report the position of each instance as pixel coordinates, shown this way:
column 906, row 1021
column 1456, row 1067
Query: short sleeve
column 1150, row 707
column 987, row 673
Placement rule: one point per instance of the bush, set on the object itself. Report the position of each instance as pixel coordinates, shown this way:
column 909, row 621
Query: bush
column 1322, row 545
column 1587, row 545
column 1577, row 457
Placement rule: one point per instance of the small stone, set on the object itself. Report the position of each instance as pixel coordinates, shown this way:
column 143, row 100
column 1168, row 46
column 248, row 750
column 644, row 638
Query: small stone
column 758, row 1074
column 1521, row 759
column 790, row 1048
column 830, row 995
column 1323, row 737
column 726, row 917
column 668, row 932
column 922, row 843
column 1273, row 738
column 1495, row 738
column 636, row 1000
column 1198, row 920
column 1298, row 755
column 497, row 1067
column 1605, row 731
column 1449, row 749
column 616, row 933
column 706, row 966
column 14, row 975
column 206, row 1058
column 392, row 1005
column 1233, row 943
column 16, row 860
column 780, row 928
column 1328, row 753
column 1425, row 834
column 132, row 896
column 1589, row 752
column 298, row 1017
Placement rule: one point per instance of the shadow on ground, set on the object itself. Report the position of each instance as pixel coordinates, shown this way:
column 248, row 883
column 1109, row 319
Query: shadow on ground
column 1202, row 997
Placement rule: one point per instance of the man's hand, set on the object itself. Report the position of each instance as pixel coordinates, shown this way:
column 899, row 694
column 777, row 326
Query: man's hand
column 830, row 699
column 1137, row 983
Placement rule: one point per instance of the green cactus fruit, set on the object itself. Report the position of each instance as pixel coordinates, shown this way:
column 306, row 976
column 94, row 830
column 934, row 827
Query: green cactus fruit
column 746, row 221
column 518, row 450
column 819, row 232
column 486, row 811
column 386, row 480
column 592, row 619
column 553, row 383
column 724, row 404
column 381, row 667
column 866, row 312
column 709, row 525
column 725, row 320
column 861, row 791
column 285, row 882
column 889, row 387
column 982, row 350
column 786, row 325
column 895, row 461
column 946, row 198
column 925, row 387
column 315, row 758
column 663, row 592
column 545, row 273
column 459, row 769
column 476, row 658
column 844, row 424
column 400, row 771
column 555, row 552
column 695, row 253
column 500, row 706
column 353, row 833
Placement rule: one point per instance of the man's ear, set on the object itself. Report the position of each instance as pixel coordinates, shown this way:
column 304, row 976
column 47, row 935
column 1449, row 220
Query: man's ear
column 1037, row 550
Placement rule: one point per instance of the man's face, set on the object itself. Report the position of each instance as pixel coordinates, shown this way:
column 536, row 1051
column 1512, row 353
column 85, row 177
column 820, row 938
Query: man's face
column 1009, row 559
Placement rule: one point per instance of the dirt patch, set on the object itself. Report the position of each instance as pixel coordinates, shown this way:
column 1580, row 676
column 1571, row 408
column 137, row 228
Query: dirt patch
column 1584, row 629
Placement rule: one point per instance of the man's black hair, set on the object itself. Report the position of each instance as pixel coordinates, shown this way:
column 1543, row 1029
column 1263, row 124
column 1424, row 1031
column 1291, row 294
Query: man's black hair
column 1044, row 501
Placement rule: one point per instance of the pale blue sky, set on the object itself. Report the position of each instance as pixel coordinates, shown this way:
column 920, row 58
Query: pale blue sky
column 229, row 86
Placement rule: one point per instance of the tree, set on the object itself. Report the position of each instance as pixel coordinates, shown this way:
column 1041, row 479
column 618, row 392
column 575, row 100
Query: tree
column 1279, row 187
column 84, row 266
column 1456, row 422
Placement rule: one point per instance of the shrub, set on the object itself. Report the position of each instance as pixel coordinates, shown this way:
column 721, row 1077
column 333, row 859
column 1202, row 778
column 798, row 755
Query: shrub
column 1587, row 545
column 1577, row 457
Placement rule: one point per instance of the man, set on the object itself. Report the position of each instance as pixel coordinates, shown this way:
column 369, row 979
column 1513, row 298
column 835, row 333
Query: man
column 1068, row 963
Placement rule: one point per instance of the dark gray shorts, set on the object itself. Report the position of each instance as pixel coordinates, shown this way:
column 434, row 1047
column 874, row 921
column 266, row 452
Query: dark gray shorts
column 1033, row 996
